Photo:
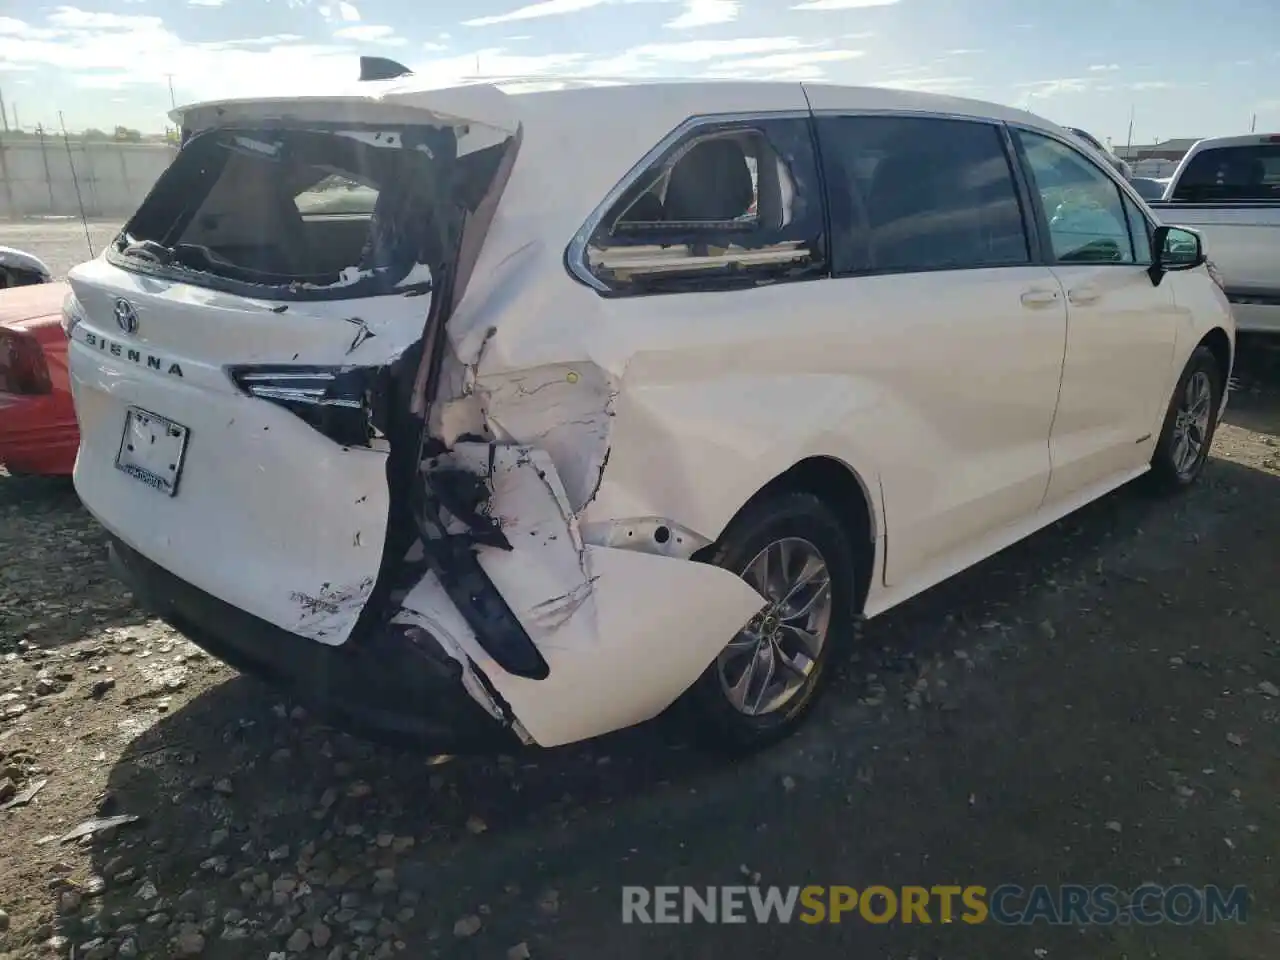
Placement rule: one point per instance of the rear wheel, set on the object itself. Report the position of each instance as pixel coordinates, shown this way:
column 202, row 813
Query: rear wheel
column 1189, row 424
column 796, row 553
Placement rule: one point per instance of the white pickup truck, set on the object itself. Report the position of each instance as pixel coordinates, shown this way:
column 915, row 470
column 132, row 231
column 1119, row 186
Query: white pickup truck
column 1228, row 190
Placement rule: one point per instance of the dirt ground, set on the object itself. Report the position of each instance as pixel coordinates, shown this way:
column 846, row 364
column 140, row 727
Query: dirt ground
column 1096, row 705
column 59, row 241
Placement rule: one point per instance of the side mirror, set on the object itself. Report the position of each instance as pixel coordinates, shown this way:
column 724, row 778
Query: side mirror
column 1173, row 249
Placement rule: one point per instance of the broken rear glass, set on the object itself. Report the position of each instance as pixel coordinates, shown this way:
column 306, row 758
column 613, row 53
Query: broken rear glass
column 311, row 212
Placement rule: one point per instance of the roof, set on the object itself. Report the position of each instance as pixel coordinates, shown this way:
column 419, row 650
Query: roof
column 1244, row 140
column 499, row 101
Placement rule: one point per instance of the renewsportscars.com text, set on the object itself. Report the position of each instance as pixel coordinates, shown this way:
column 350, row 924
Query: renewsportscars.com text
column 1008, row 904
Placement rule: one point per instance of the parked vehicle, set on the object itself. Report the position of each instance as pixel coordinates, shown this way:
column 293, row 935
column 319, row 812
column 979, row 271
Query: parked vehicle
column 1120, row 166
column 38, row 433
column 1147, row 188
column 1228, row 189
column 19, row 269
column 521, row 457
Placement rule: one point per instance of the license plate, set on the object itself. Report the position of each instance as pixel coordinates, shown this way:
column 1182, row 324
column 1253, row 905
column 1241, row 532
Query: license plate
column 152, row 450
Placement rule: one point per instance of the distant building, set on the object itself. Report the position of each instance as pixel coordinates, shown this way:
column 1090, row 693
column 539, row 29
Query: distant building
column 1172, row 150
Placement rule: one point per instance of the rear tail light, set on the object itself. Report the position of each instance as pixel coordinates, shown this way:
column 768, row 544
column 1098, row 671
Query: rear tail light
column 22, row 364
column 337, row 401
column 72, row 314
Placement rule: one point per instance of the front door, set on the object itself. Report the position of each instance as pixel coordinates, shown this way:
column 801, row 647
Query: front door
column 1121, row 327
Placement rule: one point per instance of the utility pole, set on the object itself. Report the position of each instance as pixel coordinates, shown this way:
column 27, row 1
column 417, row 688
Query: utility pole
column 1253, row 126
column 1129, row 143
column 4, row 116
column 173, row 101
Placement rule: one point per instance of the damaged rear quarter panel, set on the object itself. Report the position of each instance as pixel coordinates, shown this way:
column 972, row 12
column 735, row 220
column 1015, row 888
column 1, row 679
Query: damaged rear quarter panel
column 675, row 408
column 624, row 633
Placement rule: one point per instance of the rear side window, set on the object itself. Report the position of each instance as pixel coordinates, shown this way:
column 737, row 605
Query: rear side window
column 335, row 195
column 1086, row 219
column 914, row 194
column 1250, row 172
column 729, row 204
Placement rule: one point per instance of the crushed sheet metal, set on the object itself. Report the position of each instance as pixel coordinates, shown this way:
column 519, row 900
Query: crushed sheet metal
column 623, row 631
column 650, row 626
column 330, row 608
column 543, row 578
column 428, row 606
column 563, row 409
column 646, row 534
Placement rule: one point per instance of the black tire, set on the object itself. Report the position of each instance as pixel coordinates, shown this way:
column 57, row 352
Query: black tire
column 1166, row 475
column 705, row 708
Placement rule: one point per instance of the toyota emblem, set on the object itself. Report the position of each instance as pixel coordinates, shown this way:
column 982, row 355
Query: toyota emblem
column 126, row 316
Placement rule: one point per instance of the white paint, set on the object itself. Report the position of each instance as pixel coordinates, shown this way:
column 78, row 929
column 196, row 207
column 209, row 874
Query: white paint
column 939, row 392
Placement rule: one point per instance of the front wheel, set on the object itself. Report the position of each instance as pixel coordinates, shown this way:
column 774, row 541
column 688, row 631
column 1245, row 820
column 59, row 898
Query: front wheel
column 1189, row 424
column 797, row 554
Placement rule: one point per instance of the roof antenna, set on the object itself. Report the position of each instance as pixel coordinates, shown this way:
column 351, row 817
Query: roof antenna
column 84, row 220
column 380, row 68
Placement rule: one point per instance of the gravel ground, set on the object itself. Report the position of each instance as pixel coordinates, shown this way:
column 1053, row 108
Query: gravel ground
column 1096, row 705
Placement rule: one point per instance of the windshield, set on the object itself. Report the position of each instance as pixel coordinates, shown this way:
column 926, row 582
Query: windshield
column 1249, row 172
column 310, row 211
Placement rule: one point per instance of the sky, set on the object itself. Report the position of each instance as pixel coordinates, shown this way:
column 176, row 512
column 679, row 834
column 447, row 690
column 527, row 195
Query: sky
column 1178, row 68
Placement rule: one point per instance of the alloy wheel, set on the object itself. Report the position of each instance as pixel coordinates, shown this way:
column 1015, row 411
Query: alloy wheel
column 769, row 662
column 1191, row 423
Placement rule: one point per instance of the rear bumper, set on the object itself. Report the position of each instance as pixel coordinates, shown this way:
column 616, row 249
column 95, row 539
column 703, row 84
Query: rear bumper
column 396, row 686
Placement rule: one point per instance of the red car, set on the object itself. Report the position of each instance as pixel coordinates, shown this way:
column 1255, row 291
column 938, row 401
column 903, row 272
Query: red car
column 38, row 431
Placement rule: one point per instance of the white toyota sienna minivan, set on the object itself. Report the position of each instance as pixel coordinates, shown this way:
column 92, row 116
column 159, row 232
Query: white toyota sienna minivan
column 476, row 418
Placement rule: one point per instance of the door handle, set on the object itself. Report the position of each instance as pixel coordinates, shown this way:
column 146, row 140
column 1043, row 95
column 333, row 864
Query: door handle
column 1039, row 298
column 1084, row 295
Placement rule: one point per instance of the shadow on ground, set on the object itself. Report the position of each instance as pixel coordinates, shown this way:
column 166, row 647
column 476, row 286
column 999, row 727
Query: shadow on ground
column 54, row 584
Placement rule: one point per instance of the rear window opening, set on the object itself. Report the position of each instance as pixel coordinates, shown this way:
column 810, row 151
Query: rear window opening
column 723, row 207
column 310, row 212
column 1242, row 174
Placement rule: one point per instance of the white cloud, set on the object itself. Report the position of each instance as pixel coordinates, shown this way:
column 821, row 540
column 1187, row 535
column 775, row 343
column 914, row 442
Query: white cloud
column 842, row 4
column 534, row 11
column 791, row 61
column 1152, row 85
column 348, row 13
column 800, row 65
column 270, row 40
column 371, row 33
column 205, row 3
column 704, row 13
column 1038, row 89
column 73, row 18
column 1104, row 67
column 956, row 86
column 654, row 59
column 9, row 27
column 962, row 52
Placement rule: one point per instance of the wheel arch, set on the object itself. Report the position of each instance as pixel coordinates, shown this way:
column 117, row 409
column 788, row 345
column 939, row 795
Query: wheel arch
column 842, row 488
column 1219, row 345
